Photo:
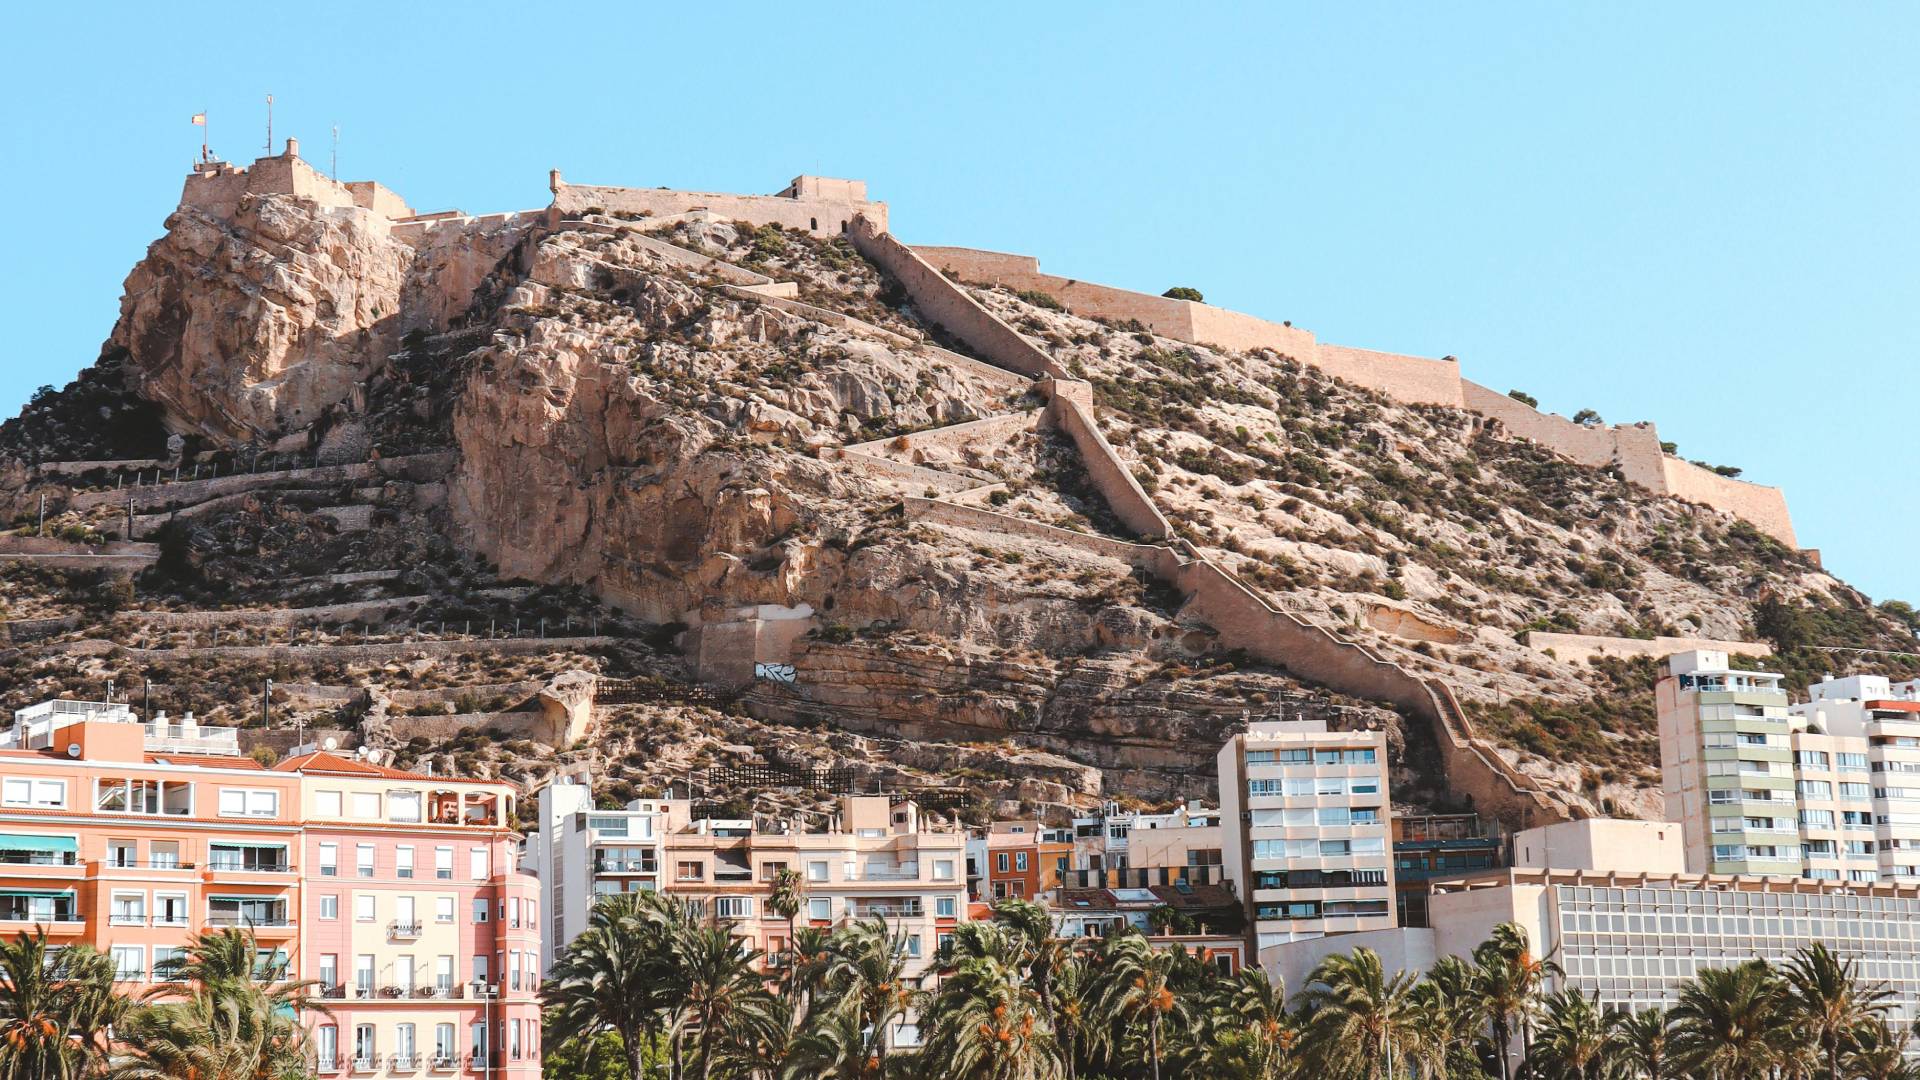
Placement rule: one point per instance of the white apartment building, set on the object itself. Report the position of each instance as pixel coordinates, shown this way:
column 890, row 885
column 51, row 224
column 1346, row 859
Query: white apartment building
column 1304, row 814
column 1828, row 789
column 1726, row 766
column 1858, row 738
column 581, row 853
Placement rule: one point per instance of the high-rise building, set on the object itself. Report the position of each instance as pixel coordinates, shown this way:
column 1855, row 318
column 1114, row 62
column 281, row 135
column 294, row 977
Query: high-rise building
column 1827, row 789
column 1726, row 766
column 1304, row 813
column 582, row 852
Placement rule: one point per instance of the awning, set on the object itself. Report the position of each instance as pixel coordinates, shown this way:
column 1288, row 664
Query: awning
column 256, row 898
column 57, row 894
column 236, row 845
column 24, row 842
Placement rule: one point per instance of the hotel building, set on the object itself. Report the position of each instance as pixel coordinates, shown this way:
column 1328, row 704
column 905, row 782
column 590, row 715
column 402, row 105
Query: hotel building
column 380, row 884
column 1304, row 814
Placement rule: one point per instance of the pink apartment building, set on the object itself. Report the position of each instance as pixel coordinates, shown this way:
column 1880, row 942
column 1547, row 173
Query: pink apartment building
column 423, row 935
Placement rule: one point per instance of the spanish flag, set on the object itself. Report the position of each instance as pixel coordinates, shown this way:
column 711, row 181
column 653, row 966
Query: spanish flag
column 200, row 118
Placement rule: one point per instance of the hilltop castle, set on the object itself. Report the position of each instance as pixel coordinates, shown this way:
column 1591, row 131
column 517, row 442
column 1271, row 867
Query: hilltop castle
column 827, row 207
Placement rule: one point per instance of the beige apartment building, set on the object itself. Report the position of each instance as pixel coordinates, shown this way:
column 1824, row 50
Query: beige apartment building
column 1860, row 736
column 1304, row 814
column 873, row 857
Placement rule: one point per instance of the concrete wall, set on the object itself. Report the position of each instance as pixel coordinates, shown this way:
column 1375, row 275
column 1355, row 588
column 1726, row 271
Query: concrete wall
column 1603, row 844
column 1764, row 507
column 1580, row 648
column 949, row 305
column 819, row 205
column 1404, row 948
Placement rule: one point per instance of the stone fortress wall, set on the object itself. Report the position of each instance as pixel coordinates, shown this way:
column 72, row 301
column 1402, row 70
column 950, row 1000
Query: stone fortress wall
column 1634, row 449
column 218, row 187
column 821, row 205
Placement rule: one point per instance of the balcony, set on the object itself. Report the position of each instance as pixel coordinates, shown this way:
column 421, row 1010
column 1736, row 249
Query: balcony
column 431, row 991
column 366, row 1064
column 268, row 923
column 403, row 929
column 884, row 873
column 444, row 1062
column 332, row 992
column 220, row 866
column 38, row 858
column 867, row 910
column 404, row 1062
column 326, row 1064
column 625, row 866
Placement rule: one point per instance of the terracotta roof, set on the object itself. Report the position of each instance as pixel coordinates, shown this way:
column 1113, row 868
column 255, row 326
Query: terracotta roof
column 1895, row 706
column 208, row 761
column 1197, row 896
column 330, row 764
column 1087, row 900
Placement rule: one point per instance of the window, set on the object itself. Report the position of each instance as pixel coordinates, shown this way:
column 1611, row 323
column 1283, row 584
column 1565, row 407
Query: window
column 330, row 969
column 128, row 909
column 443, row 1044
column 169, row 909
column 249, row 802
column 363, row 907
column 161, row 797
column 326, row 804
column 363, row 974
column 819, row 909
column 366, row 805
column 167, row 961
column 403, row 861
column 479, row 967
column 327, row 1047
column 1813, row 759
column 329, row 860
column 513, row 913
column 1817, row 789
column 816, row 871
column 443, row 972
column 129, row 963
column 443, row 863
column 943, row 870
column 733, row 907
column 403, row 911
column 1818, row 819
column 1000, row 862
column 477, row 864
column 363, row 859
column 403, row 1045
column 1852, row 762
column 689, row 871
column 944, row 907
column 26, row 792
column 1020, row 861
column 123, row 853
column 443, row 909
column 363, row 1052
column 1855, row 791
column 403, row 806
column 252, row 858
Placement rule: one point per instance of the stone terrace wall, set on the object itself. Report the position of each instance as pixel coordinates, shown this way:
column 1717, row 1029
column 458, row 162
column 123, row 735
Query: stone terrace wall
column 1580, row 648
column 1150, row 557
column 828, row 213
column 949, row 305
column 1765, row 507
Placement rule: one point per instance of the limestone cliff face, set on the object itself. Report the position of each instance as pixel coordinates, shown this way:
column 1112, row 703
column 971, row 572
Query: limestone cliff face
column 251, row 326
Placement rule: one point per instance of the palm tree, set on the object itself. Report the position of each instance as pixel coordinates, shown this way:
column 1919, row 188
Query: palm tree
column 1643, row 1043
column 788, row 896
column 866, row 977
column 1732, row 1023
column 988, row 1023
column 219, row 960
column 1574, row 1041
column 222, row 1031
column 618, row 975
column 726, row 1001
column 1448, row 1015
column 1880, row 1052
column 1828, row 1002
column 55, row 1003
column 1510, row 978
column 1361, row 1023
column 1259, row 1003
column 1135, row 989
column 1070, row 1004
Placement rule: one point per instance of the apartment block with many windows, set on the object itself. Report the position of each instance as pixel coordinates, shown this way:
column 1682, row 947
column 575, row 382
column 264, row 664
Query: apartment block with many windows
column 1305, row 823
column 1727, row 768
column 1858, row 738
column 582, row 852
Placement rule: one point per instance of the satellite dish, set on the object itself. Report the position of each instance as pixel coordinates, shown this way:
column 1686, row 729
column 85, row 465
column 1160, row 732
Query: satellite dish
column 73, row 749
column 331, row 743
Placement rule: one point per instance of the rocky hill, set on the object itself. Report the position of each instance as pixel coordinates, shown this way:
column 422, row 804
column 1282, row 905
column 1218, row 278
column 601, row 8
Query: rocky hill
column 417, row 473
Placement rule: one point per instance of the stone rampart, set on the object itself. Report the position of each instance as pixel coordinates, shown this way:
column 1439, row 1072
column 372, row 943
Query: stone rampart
column 1595, row 445
column 911, row 477
column 950, row 306
column 1416, row 380
column 218, row 188
column 1108, row 474
column 1764, row 507
column 1581, row 648
column 527, row 725
column 820, row 205
column 1153, row 558
column 953, row 437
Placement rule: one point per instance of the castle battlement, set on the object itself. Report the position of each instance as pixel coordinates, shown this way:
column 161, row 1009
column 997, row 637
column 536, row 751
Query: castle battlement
column 821, row 205
column 217, row 187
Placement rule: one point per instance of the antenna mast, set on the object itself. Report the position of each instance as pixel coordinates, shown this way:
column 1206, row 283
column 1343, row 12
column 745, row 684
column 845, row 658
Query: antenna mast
column 269, row 125
column 334, row 166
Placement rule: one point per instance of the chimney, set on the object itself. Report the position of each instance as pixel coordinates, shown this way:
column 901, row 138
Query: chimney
column 293, row 147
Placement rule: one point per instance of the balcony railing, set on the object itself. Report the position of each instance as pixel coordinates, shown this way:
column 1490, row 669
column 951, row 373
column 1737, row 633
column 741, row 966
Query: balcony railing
column 885, row 873
column 443, row 1062
column 365, row 1064
column 250, row 867
column 229, row 918
column 406, row 1061
column 625, row 866
column 327, row 1064
column 888, row 911
column 63, row 918
column 112, row 863
column 403, row 929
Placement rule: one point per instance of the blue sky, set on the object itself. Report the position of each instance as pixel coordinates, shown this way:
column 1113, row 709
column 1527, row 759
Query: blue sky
column 1701, row 215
